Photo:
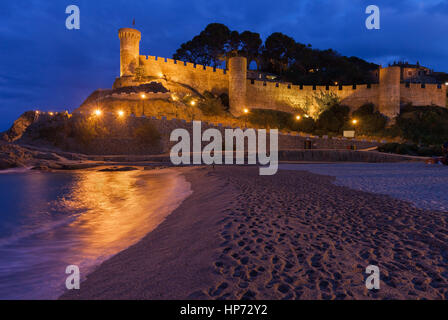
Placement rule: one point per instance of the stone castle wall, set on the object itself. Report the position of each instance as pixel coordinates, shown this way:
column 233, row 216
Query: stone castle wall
column 423, row 95
column 287, row 97
column 291, row 98
column 198, row 77
column 388, row 95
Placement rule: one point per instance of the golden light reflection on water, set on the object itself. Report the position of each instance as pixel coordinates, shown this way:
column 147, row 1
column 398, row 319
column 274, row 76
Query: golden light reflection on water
column 120, row 208
column 76, row 218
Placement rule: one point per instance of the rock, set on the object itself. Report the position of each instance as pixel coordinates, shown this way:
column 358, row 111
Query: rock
column 75, row 166
column 155, row 167
column 117, row 169
column 7, row 164
column 41, row 168
column 46, row 156
column 19, row 126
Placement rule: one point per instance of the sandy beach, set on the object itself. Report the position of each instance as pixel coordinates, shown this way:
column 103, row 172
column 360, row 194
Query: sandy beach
column 294, row 235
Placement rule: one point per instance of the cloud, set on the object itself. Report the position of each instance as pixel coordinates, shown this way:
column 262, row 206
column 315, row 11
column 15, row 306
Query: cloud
column 45, row 65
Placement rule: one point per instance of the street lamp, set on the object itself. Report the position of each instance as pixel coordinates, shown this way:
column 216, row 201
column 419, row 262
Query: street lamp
column 98, row 112
column 355, row 122
column 246, row 112
column 120, row 113
column 143, row 97
column 298, row 117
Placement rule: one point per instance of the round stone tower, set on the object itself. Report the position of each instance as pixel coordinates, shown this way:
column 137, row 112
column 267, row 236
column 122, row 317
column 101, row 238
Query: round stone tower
column 389, row 91
column 237, row 84
column 129, row 50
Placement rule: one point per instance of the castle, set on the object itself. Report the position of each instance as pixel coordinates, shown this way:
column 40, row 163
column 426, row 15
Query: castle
column 388, row 95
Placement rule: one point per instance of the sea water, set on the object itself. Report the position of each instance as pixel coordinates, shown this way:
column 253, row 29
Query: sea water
column 51, row 220
column 426, row 186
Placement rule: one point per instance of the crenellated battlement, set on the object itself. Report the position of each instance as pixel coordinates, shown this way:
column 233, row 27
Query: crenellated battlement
column 423, row 94
column 145, row 60
column 129, row 34
column 295, row 87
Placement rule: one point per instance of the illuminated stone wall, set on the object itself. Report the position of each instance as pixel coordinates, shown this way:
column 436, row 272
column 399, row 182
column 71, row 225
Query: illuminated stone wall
column 292, row 98
column 423, row 95
column 198, row 77
column 388, row 95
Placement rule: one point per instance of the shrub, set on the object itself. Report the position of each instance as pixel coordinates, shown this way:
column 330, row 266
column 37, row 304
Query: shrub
column 304, row 125
column 411, row 149
column 225, row 101
column 140, row 73
column 324, row 101
column 268, row 118
column 211, row 105
column 424, row 125
column 334, row 119
column 370, row 120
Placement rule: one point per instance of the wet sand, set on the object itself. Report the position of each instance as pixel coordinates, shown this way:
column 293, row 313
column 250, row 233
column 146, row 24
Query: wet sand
column 294, row 235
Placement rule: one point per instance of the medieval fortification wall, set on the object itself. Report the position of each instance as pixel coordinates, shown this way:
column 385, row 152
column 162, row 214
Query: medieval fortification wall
column 243, row 93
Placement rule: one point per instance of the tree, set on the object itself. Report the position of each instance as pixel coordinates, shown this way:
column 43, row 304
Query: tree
column 334, row 119
column 216, row 43
column 207, row 48
column 324, row 101
column 293, row 61
column 278, row 51
column 427, row 124
column 194, row 51
column 250, row 45
column 211, row 105
column 371, row 120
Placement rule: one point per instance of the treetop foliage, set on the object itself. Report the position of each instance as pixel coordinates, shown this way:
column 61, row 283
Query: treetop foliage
column 279, row 54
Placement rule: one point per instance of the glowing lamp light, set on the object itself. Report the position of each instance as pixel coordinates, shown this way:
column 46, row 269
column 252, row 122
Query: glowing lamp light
column 51, row 113
column 193, row 102
column 446, row 83
column 160, row 75
column 354, row 121
column 121, row 113
column 143, row 96
column 307, row 116
column 246, row 111
column 298, row 117
column 98, row 112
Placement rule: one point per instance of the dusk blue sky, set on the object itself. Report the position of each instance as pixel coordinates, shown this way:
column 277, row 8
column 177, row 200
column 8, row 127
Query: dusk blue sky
column 45, row 66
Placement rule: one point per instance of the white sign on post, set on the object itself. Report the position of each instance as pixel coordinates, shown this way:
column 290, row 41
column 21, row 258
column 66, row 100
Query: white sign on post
column 349, row 133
